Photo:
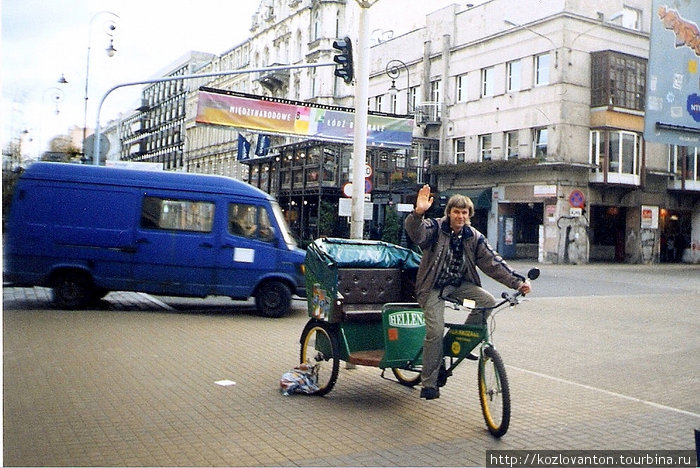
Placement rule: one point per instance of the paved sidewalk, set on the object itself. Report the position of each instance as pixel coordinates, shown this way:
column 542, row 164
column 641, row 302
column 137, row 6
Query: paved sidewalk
column 134, row 383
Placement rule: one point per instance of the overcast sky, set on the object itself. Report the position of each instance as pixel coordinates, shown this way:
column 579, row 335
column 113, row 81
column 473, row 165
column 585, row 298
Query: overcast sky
column 43, row 39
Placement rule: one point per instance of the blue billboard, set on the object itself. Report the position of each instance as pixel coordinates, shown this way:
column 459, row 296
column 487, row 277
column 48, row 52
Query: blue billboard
column 672, row 113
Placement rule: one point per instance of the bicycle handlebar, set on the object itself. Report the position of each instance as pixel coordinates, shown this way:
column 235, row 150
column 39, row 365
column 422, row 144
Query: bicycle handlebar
column 511, row 298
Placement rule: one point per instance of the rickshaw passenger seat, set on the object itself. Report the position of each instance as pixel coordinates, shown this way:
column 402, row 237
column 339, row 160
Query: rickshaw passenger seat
column 366, row 290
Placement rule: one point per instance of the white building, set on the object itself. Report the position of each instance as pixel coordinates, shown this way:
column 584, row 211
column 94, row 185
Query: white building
column 534, row 109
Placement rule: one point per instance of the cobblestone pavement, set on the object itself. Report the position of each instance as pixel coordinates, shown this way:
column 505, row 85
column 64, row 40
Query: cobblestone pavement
column 134, row 381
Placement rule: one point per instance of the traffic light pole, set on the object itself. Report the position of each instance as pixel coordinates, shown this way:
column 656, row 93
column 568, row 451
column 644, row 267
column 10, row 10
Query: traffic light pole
column 359, row 157
column 96, row 146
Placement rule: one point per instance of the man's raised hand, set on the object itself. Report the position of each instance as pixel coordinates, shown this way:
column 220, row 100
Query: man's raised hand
column 424, row 200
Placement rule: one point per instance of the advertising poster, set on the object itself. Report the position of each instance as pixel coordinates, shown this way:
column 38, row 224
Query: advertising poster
column 672, row 112
column 280, row 116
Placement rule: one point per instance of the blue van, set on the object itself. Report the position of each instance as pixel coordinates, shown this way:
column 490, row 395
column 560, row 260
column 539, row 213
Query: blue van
column 86, row 230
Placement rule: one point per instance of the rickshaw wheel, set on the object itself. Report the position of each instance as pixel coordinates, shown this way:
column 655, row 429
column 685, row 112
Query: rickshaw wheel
column 407, row 377
column 494, row 392
column 319, row 349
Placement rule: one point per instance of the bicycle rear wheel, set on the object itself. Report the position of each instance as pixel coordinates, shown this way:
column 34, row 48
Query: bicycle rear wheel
column 407, row 377
column 319, row 348
column 494, row 392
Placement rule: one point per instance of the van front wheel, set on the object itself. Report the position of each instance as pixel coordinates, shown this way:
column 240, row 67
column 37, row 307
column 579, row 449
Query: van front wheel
column 72, row 291
column 273, row 299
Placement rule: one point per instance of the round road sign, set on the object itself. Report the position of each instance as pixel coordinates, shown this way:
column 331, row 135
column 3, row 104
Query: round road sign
column 577, row 199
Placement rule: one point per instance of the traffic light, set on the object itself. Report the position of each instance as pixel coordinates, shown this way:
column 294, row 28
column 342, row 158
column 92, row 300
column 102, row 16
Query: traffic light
column 343, row 59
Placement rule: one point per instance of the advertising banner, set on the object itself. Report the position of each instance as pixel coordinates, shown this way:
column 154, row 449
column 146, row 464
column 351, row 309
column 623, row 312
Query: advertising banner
column 280, row 116
column 672, row 112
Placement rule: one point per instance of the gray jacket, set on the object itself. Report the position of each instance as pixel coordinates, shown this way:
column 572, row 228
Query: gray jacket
column 433, row 237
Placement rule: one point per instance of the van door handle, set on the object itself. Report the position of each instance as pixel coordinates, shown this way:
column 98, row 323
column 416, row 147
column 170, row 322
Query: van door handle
column 143, row 240
column 227, row 246
column 208, row 245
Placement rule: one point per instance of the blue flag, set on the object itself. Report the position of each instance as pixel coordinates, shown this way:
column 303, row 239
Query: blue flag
column 263, row 146
column 243, row 148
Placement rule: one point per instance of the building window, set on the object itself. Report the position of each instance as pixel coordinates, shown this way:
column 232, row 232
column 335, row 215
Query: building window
column 435, row 90
column 512, row 145
column 513, row 78
column 313, row 82
column 487, row 76
column 412, row 96
column 542, row 69
column 622, row 156
column 684, row 168
column 631, row 18
column 485, row 147
column 378, row 103
column 623, row 151
column 618, row 80
column 392, row 102
column 460, row 150
column 316, row 26
column 461, row 86
column 539, row 143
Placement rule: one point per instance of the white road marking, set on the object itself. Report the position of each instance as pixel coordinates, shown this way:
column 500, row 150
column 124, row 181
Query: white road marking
column 607, row 392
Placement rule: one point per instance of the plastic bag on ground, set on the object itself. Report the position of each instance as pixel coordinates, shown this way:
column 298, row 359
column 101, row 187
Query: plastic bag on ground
column 301, row 379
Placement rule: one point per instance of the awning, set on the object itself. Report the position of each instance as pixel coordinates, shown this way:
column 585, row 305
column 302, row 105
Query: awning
column 480, row 197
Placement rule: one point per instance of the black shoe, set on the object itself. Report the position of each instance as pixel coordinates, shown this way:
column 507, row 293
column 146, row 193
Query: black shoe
column 472, row 357
column 430, row 393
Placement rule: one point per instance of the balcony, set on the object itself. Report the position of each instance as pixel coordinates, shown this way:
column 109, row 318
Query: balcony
column 274, row 80
column 428, row 113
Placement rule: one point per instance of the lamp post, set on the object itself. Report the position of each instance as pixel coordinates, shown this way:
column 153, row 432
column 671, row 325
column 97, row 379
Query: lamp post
column 56, row 96
column 109, row 26
column 393, row 71
column 554, row 46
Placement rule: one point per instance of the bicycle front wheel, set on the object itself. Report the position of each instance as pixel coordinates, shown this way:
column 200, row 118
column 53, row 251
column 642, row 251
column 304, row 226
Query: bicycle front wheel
column 319, row 349
column 494, row 392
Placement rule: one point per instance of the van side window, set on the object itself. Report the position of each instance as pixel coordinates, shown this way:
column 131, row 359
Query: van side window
column 250, row 221
column 177, row 215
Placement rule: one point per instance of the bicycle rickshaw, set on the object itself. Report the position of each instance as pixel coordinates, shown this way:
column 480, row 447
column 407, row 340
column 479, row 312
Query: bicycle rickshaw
column 362, row 309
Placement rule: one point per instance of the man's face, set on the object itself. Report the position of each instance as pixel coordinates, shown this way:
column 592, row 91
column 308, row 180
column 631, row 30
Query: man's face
column 458, row 218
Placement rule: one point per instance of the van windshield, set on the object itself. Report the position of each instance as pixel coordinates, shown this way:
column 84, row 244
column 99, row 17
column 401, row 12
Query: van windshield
column 284, row 227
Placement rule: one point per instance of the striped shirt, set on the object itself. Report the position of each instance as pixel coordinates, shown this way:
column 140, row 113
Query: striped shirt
column 455, row 266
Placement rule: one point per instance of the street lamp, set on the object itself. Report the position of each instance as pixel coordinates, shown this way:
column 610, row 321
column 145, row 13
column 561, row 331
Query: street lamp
column 556, row 51
column 109, row 27
column 56, row 96
column 602, row 22
column 393, row 71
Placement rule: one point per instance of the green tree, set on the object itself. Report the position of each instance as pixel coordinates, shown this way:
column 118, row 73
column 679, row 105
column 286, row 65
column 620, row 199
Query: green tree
column 327, row 219
column 392, row 225
column 61, row 149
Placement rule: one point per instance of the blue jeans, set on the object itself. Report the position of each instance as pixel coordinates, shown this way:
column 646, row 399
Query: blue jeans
column 434, row 311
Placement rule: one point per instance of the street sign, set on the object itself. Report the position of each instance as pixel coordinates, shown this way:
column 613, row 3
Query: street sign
column 347, row 188
column 577, row 199
column 89, row 145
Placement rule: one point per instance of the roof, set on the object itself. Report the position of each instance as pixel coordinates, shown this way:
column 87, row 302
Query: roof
column 100, row 175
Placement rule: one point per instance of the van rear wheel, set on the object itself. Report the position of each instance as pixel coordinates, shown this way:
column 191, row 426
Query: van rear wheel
column 72, row 291
column 273, row 299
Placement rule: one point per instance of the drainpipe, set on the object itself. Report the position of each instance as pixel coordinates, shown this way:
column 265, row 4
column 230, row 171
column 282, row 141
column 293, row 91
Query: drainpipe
column 444, row 112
